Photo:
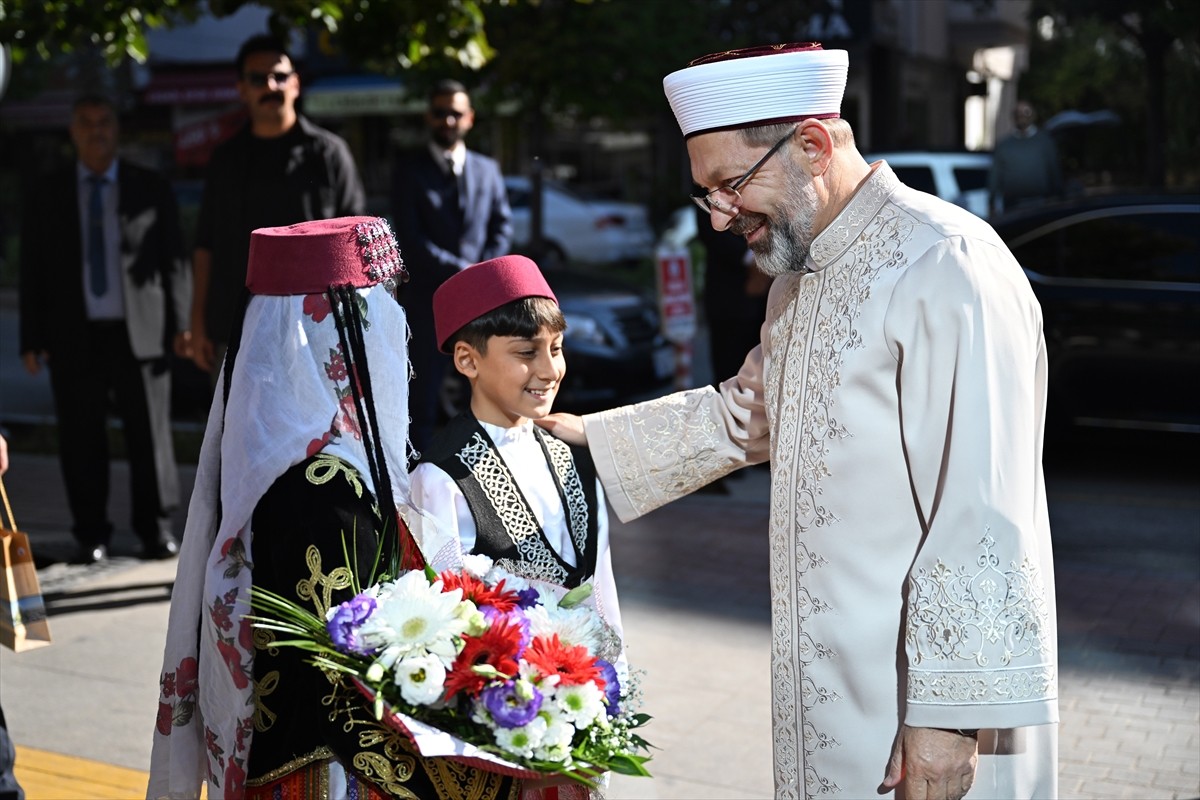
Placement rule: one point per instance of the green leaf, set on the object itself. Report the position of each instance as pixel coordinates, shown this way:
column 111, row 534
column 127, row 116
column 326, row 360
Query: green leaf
column 626, row 764
column 576, row 596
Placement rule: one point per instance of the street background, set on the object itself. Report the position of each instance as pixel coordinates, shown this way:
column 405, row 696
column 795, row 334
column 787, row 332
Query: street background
column 1126, row 521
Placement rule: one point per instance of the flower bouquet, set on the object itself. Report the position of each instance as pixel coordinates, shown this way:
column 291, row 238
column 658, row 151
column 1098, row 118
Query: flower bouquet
column 506, row 674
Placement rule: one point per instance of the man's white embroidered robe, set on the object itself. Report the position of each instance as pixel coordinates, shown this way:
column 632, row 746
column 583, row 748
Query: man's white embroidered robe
column 899, row 392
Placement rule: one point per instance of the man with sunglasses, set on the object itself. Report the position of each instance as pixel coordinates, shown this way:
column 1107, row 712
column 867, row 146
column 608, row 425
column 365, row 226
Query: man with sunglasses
column 899, row 392
column 279, row 169
column 451, row 210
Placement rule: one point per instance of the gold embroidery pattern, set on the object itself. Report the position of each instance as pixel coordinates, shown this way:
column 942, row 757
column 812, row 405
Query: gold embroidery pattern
column 385, row 759
column 325, row 468
column 454, row 780
column 264, row 717
column 320, row 754
column 807, row 342
column 654, row 463
column 985, row 615
column 307, row 589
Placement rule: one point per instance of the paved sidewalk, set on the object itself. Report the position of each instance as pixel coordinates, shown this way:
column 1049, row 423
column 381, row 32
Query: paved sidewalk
column 695, row 606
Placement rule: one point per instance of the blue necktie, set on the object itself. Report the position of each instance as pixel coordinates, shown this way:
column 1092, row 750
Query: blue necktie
column 97, row 274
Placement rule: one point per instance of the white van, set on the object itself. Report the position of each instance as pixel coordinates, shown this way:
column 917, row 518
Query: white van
column 958, row 176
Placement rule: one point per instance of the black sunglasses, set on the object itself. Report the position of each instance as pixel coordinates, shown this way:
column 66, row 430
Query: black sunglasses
column 260, row 79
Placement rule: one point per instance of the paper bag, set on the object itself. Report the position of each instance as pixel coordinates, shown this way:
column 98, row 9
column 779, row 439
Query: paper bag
column 23, row 623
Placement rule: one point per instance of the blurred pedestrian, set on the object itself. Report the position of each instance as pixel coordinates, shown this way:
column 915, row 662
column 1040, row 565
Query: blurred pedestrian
column 735, row 297
column 104, row 298
column 898, row 391
column 10, row 789
column 279, row 169
column 1025, row 165
column 451, row 210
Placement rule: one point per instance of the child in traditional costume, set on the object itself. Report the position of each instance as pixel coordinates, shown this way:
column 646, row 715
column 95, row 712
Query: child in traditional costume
column 303, row 463
column 507, row 489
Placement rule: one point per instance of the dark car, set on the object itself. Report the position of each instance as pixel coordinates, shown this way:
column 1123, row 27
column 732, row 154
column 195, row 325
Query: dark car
column 614, row 346
column 1118, row 277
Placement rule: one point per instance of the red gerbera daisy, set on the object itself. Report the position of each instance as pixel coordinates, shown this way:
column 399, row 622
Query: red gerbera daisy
column 572, row 663
column 497, row 646
column 478, row 592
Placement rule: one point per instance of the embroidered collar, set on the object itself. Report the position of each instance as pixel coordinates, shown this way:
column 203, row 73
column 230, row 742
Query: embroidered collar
column 849, row 224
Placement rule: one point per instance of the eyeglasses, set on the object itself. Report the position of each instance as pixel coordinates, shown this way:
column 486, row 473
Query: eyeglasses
column 446, row 113
column 259, row 79
column 727, row 199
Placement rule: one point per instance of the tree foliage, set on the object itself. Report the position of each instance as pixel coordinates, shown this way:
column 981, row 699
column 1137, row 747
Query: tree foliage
column 607, row 58
column 1141, row 60
column 391, row 32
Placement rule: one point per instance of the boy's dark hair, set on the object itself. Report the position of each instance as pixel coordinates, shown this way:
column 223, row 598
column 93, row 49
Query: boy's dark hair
column 261, row 43
column 522, row 318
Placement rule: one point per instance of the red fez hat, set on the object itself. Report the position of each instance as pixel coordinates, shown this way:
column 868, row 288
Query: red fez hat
column 480, row 288
column 309, row 257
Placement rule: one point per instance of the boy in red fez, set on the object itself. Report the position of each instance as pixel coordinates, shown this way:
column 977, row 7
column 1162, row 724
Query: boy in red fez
column 508, row 490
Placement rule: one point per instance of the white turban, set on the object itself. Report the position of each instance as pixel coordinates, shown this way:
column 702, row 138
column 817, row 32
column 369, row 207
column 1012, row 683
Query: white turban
column 758, row 86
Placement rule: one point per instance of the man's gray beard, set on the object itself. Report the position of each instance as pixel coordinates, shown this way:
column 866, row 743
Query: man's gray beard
column 785, row 246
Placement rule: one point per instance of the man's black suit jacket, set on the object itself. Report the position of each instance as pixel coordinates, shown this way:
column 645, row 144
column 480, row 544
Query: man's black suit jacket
column 154, row 275
column 436, row 240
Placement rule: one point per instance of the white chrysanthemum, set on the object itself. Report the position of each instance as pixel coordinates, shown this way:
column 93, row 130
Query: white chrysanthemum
column 415, row 617
column 556, row 743
column 421, row 678
column 522, row 741
column 476, row 565
column 512, row 582
column 580, row 704
column 574, row 626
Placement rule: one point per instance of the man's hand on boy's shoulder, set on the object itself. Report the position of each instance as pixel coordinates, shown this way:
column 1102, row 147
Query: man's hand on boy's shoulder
column 567, row 427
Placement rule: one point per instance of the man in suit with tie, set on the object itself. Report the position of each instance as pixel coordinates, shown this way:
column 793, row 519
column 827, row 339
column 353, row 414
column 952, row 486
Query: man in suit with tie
column 104, row 297
column 451, row 211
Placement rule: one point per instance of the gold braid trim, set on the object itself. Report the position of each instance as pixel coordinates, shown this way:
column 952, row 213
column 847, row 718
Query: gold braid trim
column 264, row 718
column 307, row 589
column 320, row 754
column 325, row 468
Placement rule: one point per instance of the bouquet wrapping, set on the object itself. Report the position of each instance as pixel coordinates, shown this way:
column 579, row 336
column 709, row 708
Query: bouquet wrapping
column 480, row 665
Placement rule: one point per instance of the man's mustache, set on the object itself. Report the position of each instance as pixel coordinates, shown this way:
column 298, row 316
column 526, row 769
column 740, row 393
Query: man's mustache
column 745, row 222
column 269, row 96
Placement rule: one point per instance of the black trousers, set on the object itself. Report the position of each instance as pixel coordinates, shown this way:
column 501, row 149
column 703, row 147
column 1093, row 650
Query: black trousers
column 9, row 788
column 86, row 380
column 429, row 366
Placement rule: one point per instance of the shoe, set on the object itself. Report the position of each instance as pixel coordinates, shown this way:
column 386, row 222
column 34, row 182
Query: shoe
column 163, row 547
column 90, row 554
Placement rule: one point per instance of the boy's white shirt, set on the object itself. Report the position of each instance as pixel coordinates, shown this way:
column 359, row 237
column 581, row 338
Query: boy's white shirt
column 438, row 496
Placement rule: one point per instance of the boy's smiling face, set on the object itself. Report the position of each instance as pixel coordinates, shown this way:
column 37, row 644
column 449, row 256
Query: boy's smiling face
column 516, row 379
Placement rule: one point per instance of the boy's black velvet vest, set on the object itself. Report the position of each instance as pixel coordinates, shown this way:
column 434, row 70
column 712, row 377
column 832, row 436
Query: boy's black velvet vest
column 507, row 530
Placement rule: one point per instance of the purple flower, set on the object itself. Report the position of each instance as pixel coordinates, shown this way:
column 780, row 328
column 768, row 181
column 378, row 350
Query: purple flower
column 527, row 598
column 345, row 620
column 507, row 707
column 612, row 687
